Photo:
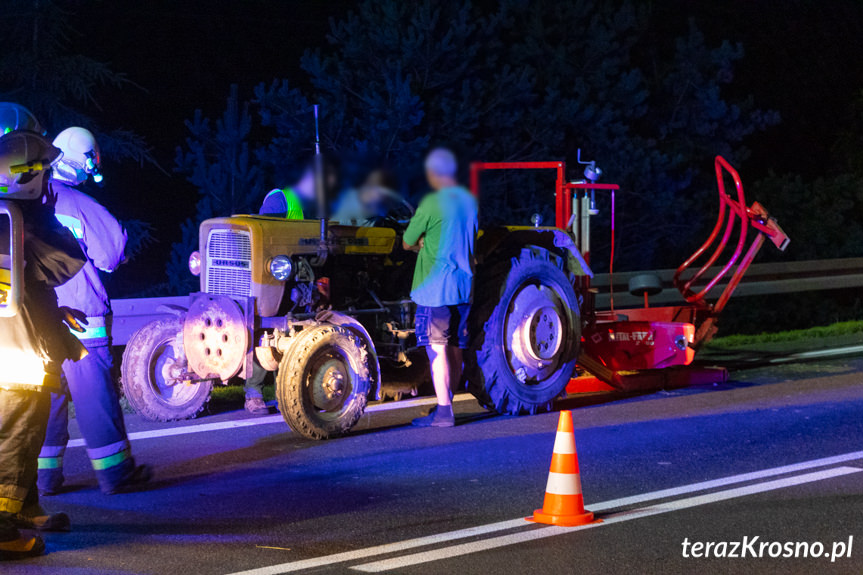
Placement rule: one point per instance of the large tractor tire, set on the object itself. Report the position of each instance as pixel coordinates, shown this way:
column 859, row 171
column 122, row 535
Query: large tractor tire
column 526, row 333
column 152, row 370
column 323, row 381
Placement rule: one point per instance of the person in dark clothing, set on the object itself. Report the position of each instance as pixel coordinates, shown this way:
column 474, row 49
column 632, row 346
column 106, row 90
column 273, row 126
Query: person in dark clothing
column 33, row 339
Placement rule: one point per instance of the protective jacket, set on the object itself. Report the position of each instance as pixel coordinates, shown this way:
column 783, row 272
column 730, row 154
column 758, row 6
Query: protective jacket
column 52, row 257
column 103, row 240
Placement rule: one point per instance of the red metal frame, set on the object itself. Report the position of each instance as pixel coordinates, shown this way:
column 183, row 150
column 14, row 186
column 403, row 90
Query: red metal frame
column 562, row 189
column 477, row 167
column 755, row 216
column 610, row 360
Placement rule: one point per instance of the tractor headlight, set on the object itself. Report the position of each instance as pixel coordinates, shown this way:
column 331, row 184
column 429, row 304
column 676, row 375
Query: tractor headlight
column 281, row 268
column 195, row 263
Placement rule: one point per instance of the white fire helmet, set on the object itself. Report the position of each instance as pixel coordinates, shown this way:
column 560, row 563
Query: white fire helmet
column 81, row 157
column 16, row 117
column 25, row 160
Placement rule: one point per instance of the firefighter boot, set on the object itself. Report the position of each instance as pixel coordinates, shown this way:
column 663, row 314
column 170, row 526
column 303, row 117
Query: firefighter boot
column 131, row 478
column 21, row 547
column 35, row 517
column 50, row 481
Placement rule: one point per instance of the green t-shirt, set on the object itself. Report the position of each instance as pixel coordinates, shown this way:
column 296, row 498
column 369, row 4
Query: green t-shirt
column 447, row 220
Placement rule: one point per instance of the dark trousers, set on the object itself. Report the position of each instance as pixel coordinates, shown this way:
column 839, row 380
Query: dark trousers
column 254, row 386
column 23, row 416
column 100, row 419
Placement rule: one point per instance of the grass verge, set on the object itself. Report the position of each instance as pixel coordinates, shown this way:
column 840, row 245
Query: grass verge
column 840, row 329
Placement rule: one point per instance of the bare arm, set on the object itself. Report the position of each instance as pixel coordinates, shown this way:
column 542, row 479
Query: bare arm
column 414, row 248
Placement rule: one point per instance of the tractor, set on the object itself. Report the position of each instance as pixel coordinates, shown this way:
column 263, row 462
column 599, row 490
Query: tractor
column 326, row 307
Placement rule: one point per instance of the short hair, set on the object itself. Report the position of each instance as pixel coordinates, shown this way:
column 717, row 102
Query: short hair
column 441, row 162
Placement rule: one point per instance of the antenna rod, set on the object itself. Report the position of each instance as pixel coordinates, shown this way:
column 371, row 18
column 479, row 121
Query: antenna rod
column 319, row 183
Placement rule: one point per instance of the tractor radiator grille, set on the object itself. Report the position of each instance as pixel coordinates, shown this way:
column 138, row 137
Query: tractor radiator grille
column 229, row 263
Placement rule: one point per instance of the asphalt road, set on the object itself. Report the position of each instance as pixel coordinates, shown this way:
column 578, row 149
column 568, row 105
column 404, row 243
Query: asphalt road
column 776, row 453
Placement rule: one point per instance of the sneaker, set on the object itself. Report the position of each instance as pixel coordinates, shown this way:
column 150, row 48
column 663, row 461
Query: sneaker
column 256, row 406
column 21, row 548
column 137, row 478
column 439, row 416
column 38, row 518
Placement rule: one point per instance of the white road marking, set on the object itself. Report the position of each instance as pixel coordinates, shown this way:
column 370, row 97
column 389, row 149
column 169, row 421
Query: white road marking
column 155, row 433
column 534, row 534
column 723, row 481
column 511, row 524
column 819, row 353
column 269, row 420
column 383, row 549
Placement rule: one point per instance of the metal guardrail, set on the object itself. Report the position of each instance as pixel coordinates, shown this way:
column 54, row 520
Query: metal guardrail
column 761, row 279
column 130, row 315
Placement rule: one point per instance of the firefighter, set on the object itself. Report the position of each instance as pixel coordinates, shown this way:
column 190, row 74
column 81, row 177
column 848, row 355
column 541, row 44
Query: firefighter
column 89, row 381
column 34, row 341
column 443, row 231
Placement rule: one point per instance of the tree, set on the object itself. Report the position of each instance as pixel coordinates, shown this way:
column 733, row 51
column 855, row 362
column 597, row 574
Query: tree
column 520, row 80
column 62, row 88
column 219, row 160
column 512, row 80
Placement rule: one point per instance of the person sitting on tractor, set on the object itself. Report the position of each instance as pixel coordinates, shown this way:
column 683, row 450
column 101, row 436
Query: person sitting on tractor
column 297, row 200
column 290, row 203
column 366, row 205
column 443, row 231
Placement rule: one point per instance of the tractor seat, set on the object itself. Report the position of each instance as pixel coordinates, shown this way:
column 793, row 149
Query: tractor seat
column 642, row 284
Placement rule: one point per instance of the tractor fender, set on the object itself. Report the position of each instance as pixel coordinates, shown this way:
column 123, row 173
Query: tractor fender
column 351, row 323
column 508, row 241
column 565, row 241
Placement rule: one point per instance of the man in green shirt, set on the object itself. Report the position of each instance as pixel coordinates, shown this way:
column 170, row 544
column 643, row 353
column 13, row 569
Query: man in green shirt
column 443, row 231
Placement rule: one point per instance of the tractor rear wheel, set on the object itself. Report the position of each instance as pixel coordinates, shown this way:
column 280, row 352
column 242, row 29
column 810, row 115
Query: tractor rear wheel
column 526, row 332
column 324, row 381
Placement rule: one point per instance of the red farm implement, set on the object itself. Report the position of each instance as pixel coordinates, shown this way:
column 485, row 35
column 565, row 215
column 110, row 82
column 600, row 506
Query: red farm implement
column 654, row 347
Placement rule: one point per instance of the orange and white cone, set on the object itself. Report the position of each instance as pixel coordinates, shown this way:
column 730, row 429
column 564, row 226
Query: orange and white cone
column 564, row 503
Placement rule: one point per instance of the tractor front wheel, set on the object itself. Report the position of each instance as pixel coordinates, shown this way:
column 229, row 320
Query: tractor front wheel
column 324, row 381
column 154, row 372
column 526, row 333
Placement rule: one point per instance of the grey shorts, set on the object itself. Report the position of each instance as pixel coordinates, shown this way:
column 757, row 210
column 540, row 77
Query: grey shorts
column 444, row 325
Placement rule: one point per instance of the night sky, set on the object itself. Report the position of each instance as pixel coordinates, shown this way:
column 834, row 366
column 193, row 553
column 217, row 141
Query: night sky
column 803, row 58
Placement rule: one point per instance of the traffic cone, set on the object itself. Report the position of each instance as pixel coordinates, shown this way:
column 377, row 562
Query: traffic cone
column 564, row 503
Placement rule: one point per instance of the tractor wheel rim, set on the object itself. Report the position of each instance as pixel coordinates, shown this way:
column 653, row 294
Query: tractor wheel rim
column 330, row 382
column 535, row 332
column 164, row 376
column 542, row 333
